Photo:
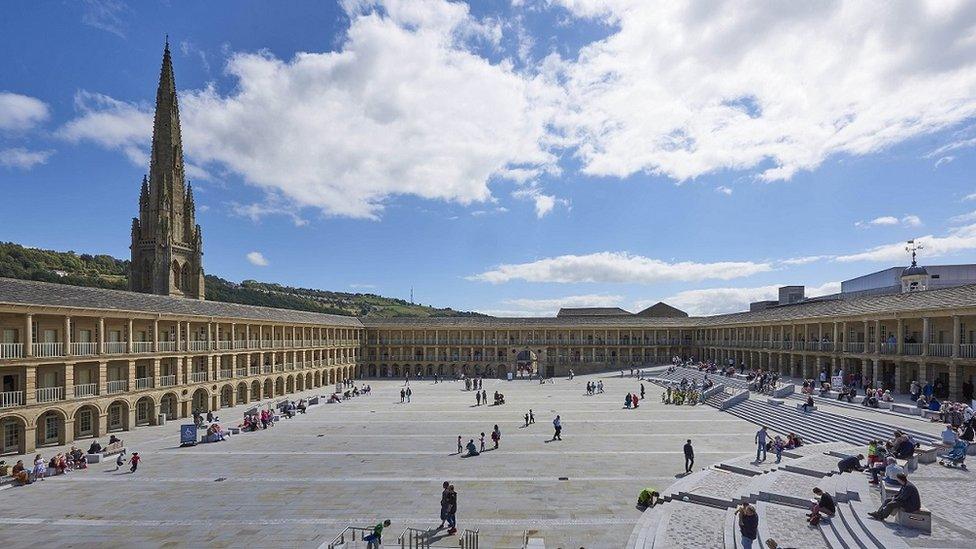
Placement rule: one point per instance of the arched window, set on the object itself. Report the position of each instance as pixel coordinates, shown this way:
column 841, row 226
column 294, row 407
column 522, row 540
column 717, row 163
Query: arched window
column 185, row 279
column 177, row 274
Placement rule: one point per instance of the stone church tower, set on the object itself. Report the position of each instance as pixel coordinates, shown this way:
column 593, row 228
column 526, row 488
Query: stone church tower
column 167, row 245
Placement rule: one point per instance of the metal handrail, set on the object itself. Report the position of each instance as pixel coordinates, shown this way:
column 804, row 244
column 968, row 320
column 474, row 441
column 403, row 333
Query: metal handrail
column 469, row 539
column 414, row 538
column 340, row 540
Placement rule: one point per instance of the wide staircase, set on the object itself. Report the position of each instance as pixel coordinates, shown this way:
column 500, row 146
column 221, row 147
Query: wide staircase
column 352, row 537
column 782, row 416
column 699, row 509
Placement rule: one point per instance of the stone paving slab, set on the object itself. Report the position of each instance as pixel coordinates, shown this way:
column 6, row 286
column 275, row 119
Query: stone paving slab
column 377, row 458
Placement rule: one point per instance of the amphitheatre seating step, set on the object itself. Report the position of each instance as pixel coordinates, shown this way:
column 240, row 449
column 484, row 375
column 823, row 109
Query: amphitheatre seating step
column 774, row 401
column 930, row 414
column 907, row 409
column 799, row 406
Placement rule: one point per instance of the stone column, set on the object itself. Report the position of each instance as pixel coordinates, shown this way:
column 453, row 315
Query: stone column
column 155, row 341
column 156, row 372
column 877, row 337
column 899, row 336
column 132, row 375
column 955, row 335
column 179, row 335
column 67, row 338
column 925, row 335
column 30, row 386
column 28, row 335
column 102, row 379
column 69, row 385
column 129, row 339
column 101, row 335
column 899, row 369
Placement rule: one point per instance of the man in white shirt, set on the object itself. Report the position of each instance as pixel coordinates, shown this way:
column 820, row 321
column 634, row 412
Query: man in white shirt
column 949, row 436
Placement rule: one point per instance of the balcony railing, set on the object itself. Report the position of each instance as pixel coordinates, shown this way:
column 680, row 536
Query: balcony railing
column 267, row 368
column 142, row 346
column 226, row 374
column 48, row 349
column 167, row 381
column 199, row 345
column 241, row 372
column 198, row 376
column 11, row 350
column 84, row 348
column 144, row 383
column 854, row 347
column 115, row 347
column 117, row 386
column 913, row 349
column 9, row 399
column 255, row 370
column 167, row 346
column 86, row 390
column 49, row 394
column 888, row 348
column 940, row 349
column 224, row 344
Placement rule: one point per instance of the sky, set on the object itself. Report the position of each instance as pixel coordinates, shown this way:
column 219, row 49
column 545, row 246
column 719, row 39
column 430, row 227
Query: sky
column 507, row 156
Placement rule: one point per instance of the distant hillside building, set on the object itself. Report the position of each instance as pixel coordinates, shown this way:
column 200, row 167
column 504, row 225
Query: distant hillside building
column 662, row 310
column 592, row 311
column 167, row 245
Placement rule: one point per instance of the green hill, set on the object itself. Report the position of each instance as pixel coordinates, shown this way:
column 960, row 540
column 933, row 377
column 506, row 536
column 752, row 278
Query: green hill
column 104, row 271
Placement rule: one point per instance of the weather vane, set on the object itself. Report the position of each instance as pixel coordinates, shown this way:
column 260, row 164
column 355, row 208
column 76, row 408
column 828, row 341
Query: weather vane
column 913, row 247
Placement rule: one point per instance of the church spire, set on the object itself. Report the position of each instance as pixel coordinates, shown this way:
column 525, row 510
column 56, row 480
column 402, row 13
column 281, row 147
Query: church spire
column 166, row 244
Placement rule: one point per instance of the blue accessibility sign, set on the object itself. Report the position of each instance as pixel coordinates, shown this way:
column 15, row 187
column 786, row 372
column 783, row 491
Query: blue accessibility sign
column 188, row 434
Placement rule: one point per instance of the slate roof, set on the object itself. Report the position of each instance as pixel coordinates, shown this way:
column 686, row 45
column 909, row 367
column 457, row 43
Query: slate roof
column 959, row 297
column 30, row 292
column 592, row 311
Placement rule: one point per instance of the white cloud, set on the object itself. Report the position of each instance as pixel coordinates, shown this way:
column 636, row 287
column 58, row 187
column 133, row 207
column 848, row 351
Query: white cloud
column 684, row 88
column 105, row 15
column 112, row 124
column 806, row 259
column 968, row 197
column 944, row 160
column 19, row 157
column 890, row 220
column 405, row 107
column 21, row 112
column 273, row 206
column 544, row 203
column 956, row 240
column 963, row 218
column 711, row 301
column 727, row 191
column 618, row 267
column 257, row 258
column 549, row 306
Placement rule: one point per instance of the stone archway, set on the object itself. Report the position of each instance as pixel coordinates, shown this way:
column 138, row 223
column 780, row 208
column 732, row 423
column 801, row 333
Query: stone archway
column 13, row 435
column 168, row 406
column 50, row 428
column 290, row 384
column 226, row 396
column 308, row 380
column 372, row 370
column 318, row 378
column 201, row 401
column 242, row 392
column 86, row 421
column 118, row 416
column 255, row 390
column 383, row 371
column 396, row 371
column 279, row 386
column 299, row 383
column 145, row 411
column 268, row 388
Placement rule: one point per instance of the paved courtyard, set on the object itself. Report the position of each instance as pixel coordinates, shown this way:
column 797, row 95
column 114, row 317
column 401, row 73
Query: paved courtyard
column 370, row 458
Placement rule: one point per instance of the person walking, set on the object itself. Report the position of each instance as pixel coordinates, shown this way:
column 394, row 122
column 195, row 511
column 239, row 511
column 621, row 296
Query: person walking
column 557, row 425
column 496, row 435
column 445, row 508
column 531, row 417
column 451, row 510
column 526, row 419
column 748, row 525
column 409, row 392
column 484, row 397
column 134, row 462
column 642, row 391
column 120, row 460
column 760, row 440
column 482, row 440
column 460, row 447
column 477, row 399
column 403, row 396
column 689, row 456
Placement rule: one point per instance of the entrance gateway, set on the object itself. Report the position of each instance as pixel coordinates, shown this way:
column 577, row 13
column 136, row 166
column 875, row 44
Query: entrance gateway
column 527, row 365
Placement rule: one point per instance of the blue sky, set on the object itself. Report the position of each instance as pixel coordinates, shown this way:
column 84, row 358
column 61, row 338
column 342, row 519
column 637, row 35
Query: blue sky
column 508, row 156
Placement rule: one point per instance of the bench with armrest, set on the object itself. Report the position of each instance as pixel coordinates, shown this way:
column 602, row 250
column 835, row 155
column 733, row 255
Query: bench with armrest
column 907, row 409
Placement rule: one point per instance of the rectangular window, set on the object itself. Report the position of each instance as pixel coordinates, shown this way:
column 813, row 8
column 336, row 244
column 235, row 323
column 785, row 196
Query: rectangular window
column 85, row 422
column 9, row 335
column 50, row 428
column 115, row 336
column 84, row 336
column 11, row 436
column 50, row 336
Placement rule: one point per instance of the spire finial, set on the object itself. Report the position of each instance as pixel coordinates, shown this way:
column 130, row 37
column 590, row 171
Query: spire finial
column 166, row 47
column 912, row 248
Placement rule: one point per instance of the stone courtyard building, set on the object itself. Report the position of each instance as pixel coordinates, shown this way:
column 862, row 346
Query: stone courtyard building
column 81, row 362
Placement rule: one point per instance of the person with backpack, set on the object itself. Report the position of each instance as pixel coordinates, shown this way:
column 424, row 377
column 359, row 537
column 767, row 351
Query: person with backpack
column 375, row 540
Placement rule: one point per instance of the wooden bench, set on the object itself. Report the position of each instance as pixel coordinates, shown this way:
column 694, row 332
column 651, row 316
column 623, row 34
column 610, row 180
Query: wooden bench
column 884, row 404
column 919, row 520
column 774, row 401
column 112, row 449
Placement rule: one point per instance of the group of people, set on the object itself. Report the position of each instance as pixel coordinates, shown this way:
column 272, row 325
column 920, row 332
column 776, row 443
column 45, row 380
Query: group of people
column 349, row 393
column 60, row 463
column 684, row 393
column 476, row 449
column 473, row 383
column 594, row 387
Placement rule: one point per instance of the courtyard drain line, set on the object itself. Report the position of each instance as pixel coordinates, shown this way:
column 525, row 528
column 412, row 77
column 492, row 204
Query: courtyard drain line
column 563, row 478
